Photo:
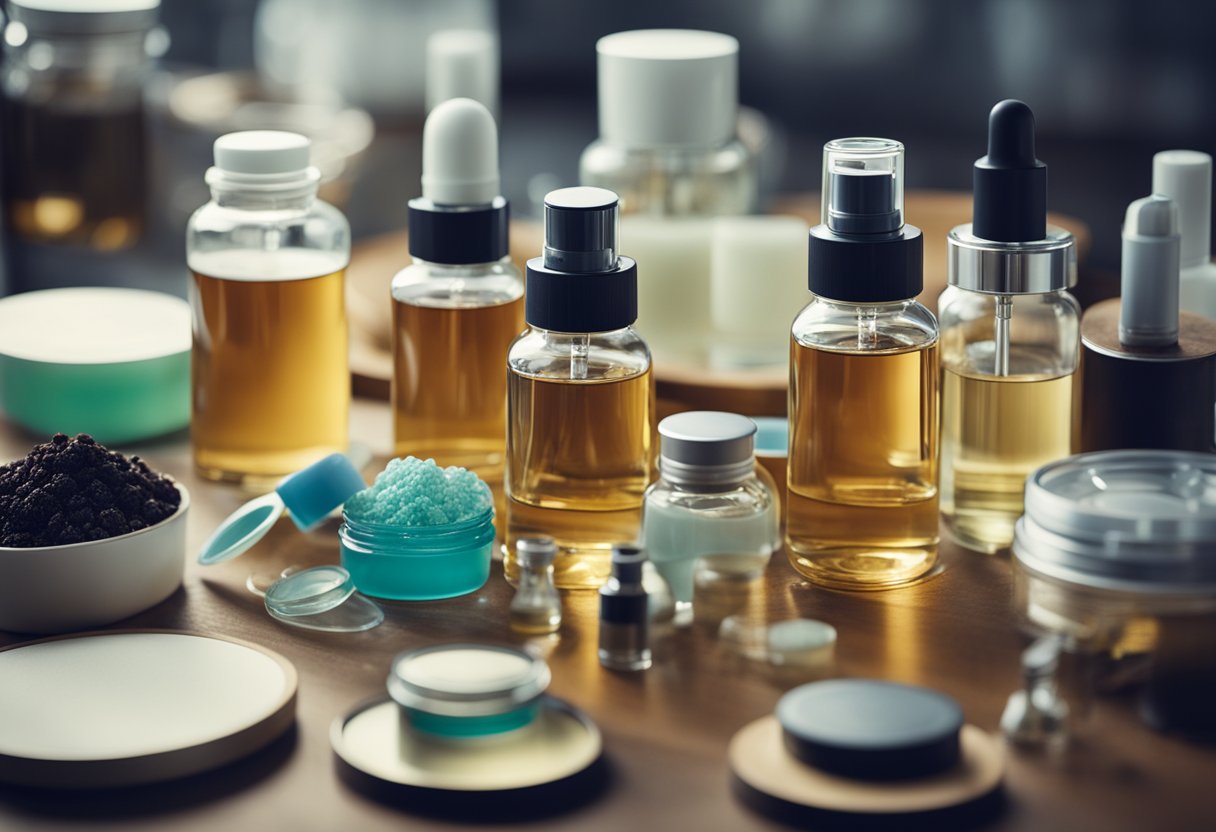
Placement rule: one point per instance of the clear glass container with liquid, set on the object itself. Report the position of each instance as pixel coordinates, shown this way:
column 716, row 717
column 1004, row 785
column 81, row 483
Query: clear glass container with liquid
column 862, row 505
column 269, row 372
column 1010, row 339
column 580, row 396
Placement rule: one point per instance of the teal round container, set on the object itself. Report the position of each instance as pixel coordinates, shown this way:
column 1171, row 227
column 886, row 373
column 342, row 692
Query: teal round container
column 468, row 691
column 418, row 563
column 113, row 363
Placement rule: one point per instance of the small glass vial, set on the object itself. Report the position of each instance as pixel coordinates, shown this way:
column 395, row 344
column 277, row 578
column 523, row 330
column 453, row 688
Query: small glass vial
column 580, row 395
column 625, row 613
column 1036, row 715
column 1010, row 339
column 862, row 508
column 459, row 306
column 536, row 608
column 710, row 499
column 271, row 384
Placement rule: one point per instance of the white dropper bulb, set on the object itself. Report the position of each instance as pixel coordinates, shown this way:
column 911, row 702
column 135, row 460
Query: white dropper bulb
column 460, row 154
column 462, row 63
column 1151, row 244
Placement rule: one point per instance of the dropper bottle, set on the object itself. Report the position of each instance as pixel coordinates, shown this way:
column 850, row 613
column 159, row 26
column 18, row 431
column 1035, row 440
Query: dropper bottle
column 457, row 308
column 862, row 508
column 580, row 395
column 1009, row 339
column 1150, row 371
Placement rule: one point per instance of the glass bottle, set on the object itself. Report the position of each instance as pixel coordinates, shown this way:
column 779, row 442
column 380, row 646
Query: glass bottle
column 669, row 146
column 624, row 638
column 580, row 395
column 710, row 498
column 271, row 386
column 536, row 608
column 1010, row 339
column 459, row 306
column 862, row 507
column 74, row 134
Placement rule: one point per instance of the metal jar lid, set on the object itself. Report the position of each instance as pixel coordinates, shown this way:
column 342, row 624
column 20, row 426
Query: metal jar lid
column 466, row 680
column 1023, row 268
column 85, row 17
column 707, row 446
column 1134, row 521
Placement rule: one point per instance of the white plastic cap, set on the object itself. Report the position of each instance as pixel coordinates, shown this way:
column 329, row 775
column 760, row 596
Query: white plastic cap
column 1148, row 314
column 262, row 153
column 668, row 87
column 1185, row 176
column 460, row 154
column 462, row 63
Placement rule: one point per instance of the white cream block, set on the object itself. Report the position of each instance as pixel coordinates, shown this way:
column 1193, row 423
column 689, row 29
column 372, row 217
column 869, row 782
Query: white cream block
column 673, row 281
column 758, row 279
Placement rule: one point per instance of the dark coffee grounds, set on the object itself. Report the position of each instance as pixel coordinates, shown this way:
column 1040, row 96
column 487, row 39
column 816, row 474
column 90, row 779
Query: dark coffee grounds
column 74, row 490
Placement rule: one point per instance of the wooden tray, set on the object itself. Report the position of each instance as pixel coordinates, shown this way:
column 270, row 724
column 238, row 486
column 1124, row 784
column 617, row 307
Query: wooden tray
column 757, row 392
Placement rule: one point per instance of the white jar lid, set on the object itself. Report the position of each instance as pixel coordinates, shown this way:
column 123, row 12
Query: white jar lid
column 467, row 679
column 668, row 88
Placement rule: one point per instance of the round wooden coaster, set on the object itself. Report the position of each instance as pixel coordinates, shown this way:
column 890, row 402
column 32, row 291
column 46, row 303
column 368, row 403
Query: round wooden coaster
column 759, row 760
column 124, row 708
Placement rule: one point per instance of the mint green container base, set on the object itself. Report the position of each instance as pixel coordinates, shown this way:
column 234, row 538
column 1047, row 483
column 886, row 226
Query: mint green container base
column 464, row 727
column 418, row 563
column 114, row 403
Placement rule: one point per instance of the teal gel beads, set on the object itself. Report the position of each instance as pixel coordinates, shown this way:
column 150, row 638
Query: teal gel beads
column 420, row 532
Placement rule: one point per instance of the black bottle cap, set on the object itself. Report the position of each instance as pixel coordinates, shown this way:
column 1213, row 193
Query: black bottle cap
column 863, row 200
column 581, row 284
column 1010, row 183
column 455, row 235
column 871, row 730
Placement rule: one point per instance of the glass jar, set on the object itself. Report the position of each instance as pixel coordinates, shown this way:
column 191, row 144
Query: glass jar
column 418, row 563
column 75, row 156
column 269, row 366
column 710, row 499
column 1116, row 555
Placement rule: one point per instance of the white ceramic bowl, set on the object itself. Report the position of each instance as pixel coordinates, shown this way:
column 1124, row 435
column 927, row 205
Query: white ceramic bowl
column 56, row 589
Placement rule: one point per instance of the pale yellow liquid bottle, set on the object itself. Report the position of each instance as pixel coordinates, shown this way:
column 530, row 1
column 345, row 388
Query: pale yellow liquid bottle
column 1010, row 340
column 459, row 306
column 581, row 408
column 270, row 379
column 863, row 507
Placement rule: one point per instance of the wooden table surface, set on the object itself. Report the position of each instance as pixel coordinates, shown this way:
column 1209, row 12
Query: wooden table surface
column 665, row 730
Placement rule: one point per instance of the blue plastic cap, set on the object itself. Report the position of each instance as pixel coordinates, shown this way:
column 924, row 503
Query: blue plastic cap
column 311, row 494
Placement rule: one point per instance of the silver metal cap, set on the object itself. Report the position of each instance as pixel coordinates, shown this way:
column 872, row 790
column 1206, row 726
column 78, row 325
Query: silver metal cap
column 1135, row 521
column 535, row 551
column 997, row 268
column 707, row 446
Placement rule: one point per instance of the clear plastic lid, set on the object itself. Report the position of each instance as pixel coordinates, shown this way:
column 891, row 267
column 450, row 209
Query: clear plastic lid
column 467, row 679
column 863, row 186
column 1124, row 520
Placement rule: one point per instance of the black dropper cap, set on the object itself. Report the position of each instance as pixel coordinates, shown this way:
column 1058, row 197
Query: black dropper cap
column 581, row 284
column 863, row 252
column 1010, row 183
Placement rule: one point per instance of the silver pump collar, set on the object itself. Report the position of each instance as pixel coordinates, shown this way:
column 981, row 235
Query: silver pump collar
column 1022, row 268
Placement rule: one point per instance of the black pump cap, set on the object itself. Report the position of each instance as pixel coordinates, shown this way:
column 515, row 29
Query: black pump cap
column 580, row 284
column 1010, row 183
column 455, row 235
column 863, row 201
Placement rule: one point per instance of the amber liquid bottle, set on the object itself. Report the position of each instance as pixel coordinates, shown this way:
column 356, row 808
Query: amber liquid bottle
column 863, row 508
column 459, row 306
column 270, row 379
column 581, row 410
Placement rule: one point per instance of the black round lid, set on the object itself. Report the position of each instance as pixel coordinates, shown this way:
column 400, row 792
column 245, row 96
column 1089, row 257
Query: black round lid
column 581, row 284
column 871, row 730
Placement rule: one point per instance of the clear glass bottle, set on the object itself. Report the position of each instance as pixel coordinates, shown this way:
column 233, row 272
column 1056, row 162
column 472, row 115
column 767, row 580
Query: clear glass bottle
column 459, row 306
column 669, row 147
column 710, row 499
column 74, row 123
column 1010, row 340
column 580, row 395
column 862, row 506
column 271, row 384
column 536, row 608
